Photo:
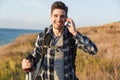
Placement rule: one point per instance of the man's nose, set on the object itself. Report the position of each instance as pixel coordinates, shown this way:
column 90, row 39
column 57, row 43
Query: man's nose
column 58, row 18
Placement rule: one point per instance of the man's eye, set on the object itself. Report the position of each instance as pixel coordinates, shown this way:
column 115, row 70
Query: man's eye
column 63, row 16
column 55, row 15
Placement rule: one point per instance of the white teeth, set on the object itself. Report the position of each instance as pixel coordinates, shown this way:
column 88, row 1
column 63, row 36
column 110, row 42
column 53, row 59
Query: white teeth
column 58, row 23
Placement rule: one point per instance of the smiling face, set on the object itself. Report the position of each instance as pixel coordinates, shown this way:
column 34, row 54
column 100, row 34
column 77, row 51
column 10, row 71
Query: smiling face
column 58, row 18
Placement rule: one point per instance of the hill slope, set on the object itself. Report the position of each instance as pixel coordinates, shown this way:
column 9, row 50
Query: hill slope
column 103, row 66
column 106, row 37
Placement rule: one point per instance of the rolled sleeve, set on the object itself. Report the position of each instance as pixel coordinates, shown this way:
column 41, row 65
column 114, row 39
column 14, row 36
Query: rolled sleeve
column 84, row 43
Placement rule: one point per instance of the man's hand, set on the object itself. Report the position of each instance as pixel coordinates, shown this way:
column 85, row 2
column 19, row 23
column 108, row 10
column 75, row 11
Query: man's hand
column 71, row 26
column 26, row 64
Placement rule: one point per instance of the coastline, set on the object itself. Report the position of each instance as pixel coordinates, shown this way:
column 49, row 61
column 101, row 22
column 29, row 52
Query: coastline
column 9, row 35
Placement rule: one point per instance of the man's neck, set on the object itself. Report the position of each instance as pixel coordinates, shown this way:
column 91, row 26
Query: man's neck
column 57, row 32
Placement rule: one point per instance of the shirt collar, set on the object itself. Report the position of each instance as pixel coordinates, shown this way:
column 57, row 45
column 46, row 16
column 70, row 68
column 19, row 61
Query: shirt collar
column 50, row 31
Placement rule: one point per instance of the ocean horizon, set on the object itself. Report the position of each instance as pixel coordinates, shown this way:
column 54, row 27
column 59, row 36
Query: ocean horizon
column 8, row 35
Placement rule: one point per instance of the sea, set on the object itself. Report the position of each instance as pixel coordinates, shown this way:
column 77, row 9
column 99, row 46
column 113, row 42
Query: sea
column 9, row 35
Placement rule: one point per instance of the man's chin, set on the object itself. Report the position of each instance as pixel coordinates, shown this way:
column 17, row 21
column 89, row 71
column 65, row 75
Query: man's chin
column 59, row 27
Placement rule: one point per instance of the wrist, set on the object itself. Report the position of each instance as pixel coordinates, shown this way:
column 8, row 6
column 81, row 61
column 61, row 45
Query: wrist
column 74, row 33
column 78, row 35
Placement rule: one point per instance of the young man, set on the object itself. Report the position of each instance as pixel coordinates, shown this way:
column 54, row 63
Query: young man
column 59, row 58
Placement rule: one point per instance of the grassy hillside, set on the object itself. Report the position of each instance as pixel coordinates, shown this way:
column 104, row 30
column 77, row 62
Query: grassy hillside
column 103, row 66
column 11, row 56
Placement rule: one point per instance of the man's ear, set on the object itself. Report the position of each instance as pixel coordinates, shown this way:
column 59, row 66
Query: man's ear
column 66, row 18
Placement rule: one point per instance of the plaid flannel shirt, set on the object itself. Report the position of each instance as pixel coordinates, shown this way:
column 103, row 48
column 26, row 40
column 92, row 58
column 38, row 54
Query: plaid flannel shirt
column 82, row 42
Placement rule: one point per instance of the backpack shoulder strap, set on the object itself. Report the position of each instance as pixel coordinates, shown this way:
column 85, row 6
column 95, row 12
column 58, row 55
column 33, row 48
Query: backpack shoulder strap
column 46, row 40
column 71, row 40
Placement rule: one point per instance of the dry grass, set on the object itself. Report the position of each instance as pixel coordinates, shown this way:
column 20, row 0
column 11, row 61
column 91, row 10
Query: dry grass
column 11, row 56
column 103, row 66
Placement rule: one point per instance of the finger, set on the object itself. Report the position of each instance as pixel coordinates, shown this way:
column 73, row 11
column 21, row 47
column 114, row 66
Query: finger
column 25, row 60
column 68, row 19
column 26, row 65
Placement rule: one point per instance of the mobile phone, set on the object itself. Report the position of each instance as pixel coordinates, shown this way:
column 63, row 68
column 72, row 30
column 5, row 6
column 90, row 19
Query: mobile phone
column 67, row 23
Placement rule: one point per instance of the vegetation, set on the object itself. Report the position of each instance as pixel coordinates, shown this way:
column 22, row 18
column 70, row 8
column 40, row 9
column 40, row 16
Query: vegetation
column 11, row 56
column 105, row 65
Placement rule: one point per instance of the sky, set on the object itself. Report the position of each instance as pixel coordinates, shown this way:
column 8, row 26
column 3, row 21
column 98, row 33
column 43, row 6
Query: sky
column 35, row 14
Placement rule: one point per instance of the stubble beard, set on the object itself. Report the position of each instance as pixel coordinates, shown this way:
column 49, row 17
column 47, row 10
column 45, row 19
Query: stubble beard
column 58, row 27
